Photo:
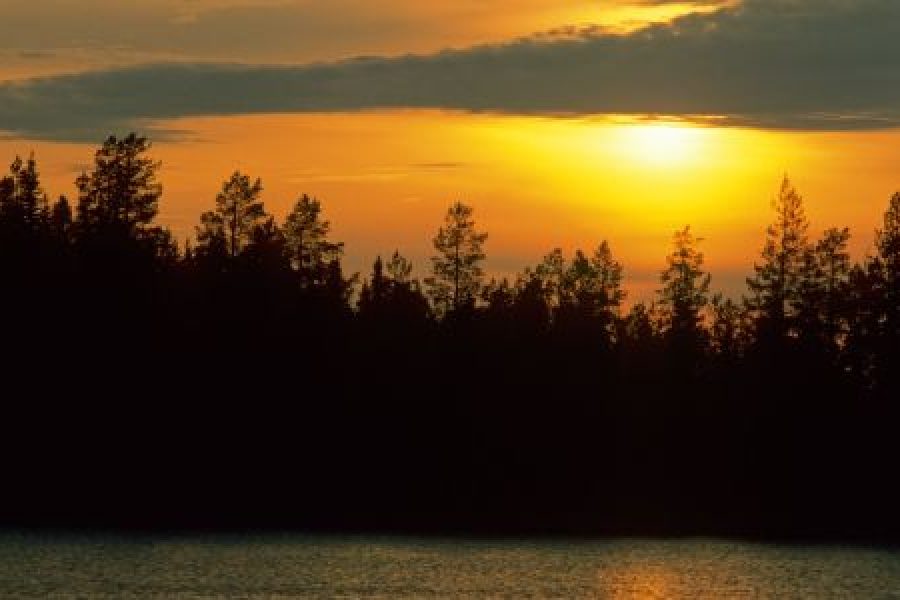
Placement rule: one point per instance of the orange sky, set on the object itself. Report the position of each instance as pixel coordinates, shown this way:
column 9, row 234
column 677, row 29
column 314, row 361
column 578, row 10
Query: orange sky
column 386, row 178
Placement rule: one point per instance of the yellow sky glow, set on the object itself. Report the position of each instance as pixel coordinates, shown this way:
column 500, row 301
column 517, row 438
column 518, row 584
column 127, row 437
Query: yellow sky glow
column 386, row 179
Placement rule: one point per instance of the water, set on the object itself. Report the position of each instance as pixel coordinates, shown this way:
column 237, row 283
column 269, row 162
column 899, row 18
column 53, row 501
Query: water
column 308, row 567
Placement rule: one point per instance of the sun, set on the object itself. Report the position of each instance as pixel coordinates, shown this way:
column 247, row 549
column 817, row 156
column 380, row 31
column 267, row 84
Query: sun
column 661, row 144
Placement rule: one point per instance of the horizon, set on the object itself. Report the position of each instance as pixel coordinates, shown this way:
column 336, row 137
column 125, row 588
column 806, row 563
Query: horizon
column 732, row 241
column 651, row 116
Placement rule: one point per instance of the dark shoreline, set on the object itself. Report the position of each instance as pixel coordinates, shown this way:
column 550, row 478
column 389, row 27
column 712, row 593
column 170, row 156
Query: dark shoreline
column 450, row 533
column 247, row 381
column 240, row 535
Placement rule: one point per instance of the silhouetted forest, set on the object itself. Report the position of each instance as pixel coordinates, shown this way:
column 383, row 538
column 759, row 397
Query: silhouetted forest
column 245, row 379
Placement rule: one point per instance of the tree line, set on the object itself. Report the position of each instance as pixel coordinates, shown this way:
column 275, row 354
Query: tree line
column 244, row 378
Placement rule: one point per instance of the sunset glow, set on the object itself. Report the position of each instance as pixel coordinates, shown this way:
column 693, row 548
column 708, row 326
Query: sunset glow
column 537, row 183
column 539, row 179
column 388, row 298
column 663, row 145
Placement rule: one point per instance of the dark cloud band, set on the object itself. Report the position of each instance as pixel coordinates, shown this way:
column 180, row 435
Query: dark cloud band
column 794, row 64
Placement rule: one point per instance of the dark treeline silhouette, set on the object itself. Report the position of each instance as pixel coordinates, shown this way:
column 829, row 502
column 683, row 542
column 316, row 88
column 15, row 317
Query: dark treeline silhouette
column 246, row 380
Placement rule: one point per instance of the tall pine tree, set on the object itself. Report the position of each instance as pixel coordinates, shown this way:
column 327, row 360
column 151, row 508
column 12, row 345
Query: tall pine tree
column 775, row 287
column 306, row 240
column 120, row 196
column 684, row 296
column 232, row 225
column 457, row 273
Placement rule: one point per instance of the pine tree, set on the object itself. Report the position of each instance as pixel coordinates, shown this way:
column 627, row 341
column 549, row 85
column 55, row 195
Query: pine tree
column 230, row 228
column 685, row 291
column 531, row 308
column 685, row 294
column 30, row 196
column 265, row 252
column 307, row 243
column 23, row 204
column 775, row 286
column 499, row 297
column 641, row 323
column 607, row 282
column 884, row 292
column 407, row 300
column 457, row 273
column 61, row 219
column 640, row 336
column 887, row 243
column 120, row 196
column 820, row 307
column 391, row 294
column 399, row 269
column 865, row 322
column 551, row 274
column 728, row 328
column 590, row 293
column 374, row 294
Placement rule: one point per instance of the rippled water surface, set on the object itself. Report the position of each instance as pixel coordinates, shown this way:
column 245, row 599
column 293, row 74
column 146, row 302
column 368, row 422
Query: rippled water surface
column 309, row 567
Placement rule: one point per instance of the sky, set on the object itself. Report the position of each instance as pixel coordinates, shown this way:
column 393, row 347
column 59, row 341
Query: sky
column 562, row 123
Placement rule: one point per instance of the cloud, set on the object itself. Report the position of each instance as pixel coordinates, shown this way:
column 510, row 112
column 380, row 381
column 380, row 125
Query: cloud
column 36, row 55
column 791, row 64
column 190, row 11
column 276, row 31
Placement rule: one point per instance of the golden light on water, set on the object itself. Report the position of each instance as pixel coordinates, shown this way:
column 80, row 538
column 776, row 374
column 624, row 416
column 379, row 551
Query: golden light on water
column 642, row 582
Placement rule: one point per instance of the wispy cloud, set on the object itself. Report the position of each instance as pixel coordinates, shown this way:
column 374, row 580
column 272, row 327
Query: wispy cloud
column 792, row 64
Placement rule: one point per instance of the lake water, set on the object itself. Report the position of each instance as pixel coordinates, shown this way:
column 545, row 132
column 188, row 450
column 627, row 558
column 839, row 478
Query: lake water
column 275, row 567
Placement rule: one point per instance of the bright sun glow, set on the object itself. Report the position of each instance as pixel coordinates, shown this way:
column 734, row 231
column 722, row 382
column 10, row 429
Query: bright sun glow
column 662, row 145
